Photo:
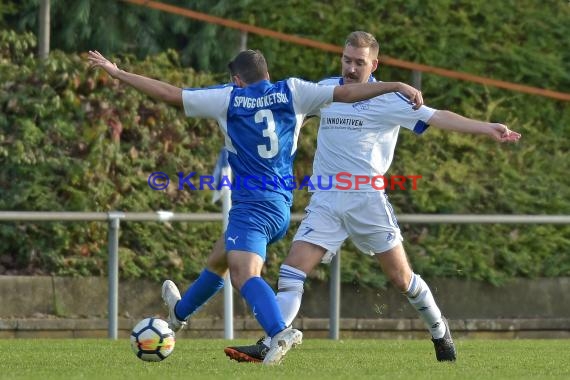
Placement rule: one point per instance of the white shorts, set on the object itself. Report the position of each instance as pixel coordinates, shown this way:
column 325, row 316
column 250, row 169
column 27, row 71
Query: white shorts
column 366, row 217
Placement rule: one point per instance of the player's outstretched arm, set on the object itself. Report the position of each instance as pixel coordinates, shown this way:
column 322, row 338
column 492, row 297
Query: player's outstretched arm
column 453, row 122
column 152, row 87
column 354, row 92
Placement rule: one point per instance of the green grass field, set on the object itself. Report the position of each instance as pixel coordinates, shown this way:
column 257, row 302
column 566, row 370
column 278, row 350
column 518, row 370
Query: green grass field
column 315, row 359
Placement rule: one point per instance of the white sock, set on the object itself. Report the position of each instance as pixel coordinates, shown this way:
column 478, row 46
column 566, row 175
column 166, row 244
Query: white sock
column 422, row 300
column 289, row 294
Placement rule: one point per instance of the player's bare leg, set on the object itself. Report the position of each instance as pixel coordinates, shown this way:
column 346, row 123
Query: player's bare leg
column 217, row 261
column 304, row 256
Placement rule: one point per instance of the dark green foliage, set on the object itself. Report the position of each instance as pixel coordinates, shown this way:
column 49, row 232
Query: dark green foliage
column 112, row 26
column 77, row 141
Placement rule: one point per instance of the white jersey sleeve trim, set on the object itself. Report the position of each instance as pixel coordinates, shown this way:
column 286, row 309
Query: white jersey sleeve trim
column 395, row 109
column 309, row 97
column 206, row 102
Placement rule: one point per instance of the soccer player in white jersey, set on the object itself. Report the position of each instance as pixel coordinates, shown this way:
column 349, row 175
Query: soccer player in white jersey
column 260, row 121
column 359, row 139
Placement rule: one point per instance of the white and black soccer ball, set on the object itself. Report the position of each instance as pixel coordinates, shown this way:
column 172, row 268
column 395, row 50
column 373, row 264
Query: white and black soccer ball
column 152, row 340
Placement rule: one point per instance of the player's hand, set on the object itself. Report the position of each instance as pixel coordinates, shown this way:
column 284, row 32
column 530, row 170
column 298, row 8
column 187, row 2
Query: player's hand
column 502, row 133
column 414, row 95
column 96, row 59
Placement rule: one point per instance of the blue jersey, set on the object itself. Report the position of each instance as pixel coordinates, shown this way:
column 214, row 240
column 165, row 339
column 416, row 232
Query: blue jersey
column 261, row 125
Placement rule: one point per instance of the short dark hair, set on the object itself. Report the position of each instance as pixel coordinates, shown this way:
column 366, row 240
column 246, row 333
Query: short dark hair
column 360, row 39
column 249, row 65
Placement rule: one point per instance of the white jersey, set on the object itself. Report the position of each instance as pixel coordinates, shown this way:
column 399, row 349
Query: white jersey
column 358, row 139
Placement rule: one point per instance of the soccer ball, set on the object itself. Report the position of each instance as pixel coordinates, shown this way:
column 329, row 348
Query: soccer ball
column 152, row 340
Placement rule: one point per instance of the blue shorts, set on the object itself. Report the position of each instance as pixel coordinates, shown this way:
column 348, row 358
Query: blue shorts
column 252, row 226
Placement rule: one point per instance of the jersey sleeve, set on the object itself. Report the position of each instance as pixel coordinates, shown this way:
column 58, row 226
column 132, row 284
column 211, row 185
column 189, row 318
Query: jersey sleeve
column 206, row 102
column 309, row 97
column 403, row 114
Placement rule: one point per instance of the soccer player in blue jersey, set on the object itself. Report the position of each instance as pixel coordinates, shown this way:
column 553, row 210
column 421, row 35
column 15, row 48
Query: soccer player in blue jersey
column 364, row 214
column 260, row 121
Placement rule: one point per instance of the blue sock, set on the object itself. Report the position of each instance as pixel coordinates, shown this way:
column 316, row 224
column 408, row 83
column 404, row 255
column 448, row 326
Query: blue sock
column 205, row 286
column 261, row 300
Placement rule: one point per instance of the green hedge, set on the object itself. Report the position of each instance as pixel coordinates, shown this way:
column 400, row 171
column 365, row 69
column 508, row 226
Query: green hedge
column 76, row 140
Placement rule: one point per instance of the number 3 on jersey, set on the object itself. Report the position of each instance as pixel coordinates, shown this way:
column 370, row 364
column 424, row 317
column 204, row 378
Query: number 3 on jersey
column 266, row 116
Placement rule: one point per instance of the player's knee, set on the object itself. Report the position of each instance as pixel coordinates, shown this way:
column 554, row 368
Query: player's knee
column 241, row 274
column 399, row 281
column 238, row 279
column 304, row 256
column 217, row 261
column 217, row 264
column 399, row 276
column 220, row 270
